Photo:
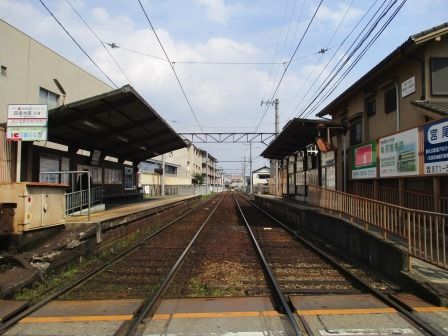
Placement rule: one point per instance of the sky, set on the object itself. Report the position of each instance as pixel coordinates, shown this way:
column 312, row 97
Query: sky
column 275, row 42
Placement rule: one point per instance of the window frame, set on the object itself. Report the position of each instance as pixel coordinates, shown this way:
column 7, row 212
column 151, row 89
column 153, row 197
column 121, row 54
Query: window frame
column 367, row 101
column 386, row 92
column 431, row 65
column 353, row 124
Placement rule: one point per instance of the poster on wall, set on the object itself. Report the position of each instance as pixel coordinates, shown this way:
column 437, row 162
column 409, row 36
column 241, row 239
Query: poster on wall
column 364, row 161
column 399, row 154
column 436, row 148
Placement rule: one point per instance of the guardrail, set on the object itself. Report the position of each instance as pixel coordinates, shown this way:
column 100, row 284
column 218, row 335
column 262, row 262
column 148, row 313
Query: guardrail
column 423, row 232
column 77, row 201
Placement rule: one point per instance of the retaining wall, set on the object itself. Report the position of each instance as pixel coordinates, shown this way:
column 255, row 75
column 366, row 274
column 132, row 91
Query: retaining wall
column 382, row 255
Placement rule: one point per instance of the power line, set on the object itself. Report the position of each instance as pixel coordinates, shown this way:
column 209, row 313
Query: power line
column 102, row 43
column 289, row 63
column 358, row 58
column 346, row 59
column 79, row 46
column 115, row 46
column 322, row 52
column 171, row 65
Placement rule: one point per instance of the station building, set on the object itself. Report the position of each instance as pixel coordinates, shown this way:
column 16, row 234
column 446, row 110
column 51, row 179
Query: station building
column 91, row 126
column 388, row 134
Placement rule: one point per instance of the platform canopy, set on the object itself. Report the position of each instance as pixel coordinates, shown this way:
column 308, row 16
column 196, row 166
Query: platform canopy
column 296, row 135
column 118, row 123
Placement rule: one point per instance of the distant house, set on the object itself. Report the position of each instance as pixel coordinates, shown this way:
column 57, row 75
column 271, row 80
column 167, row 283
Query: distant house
column 260, row 179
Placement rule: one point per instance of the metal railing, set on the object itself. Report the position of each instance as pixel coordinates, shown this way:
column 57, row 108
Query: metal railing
column 424, row 233
column 78, row 201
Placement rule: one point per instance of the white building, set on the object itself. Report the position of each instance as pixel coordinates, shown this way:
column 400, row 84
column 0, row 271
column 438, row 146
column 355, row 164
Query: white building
column 260, row 180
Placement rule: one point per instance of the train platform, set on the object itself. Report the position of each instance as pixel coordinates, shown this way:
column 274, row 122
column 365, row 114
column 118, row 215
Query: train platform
column 431, row 281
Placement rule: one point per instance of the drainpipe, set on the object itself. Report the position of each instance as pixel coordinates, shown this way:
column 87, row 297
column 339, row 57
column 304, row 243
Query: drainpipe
column 397, row 90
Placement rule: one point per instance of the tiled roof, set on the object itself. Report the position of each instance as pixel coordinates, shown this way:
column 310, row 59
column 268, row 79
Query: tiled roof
column 440, row 107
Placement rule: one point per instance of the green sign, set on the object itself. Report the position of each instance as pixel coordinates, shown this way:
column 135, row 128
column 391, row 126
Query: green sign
column 364, row 161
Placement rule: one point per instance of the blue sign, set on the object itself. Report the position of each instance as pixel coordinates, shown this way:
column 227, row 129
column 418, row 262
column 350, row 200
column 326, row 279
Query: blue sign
column 436, row 148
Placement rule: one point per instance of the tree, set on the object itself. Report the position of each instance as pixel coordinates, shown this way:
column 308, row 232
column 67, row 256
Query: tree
column 198, row 178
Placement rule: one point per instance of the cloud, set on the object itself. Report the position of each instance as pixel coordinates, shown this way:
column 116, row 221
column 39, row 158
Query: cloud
column 216, row 10
column 335, row 15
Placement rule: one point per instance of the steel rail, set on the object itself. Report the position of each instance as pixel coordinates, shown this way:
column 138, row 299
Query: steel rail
column 12, row 321
column 279, row 296
column 150, row 302
column 415, row 320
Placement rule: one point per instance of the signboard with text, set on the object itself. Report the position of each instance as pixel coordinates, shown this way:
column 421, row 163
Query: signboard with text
column 399, row 154
column 436, row 148
column 364, row 161
column 27, row 122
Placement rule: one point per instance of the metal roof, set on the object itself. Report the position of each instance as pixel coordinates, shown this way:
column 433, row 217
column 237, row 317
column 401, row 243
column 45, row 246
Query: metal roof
column 296, row 135
column 119, row 123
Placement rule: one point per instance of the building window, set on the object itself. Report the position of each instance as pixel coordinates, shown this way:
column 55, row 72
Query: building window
column 370, row 107
column 439, row 76
column 170, row 170
column 356, row 133
column 390, row 100
column 48, row 98
column 112, row 176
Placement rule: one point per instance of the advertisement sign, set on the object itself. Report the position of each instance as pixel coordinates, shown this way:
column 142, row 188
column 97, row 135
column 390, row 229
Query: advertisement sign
column 436, row 148
column 399, row 154
column 27, row 122
column 364, row 161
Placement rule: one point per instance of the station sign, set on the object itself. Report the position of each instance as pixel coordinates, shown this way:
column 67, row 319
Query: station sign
column 27, row 122
column 364, row 161
column 408, row 87
column 399, row 154
column 436, row 148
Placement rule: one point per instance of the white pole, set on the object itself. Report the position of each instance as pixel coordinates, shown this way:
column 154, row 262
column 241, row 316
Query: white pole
column 250, row 168
column 162, row 181
column 18, row 160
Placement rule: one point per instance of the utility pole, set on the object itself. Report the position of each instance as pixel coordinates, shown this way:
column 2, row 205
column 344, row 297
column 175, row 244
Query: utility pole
column 244, row 174
column 276, row 103
column 206, row 172
column 250, row 168
column 162, row 182
column 277, row 130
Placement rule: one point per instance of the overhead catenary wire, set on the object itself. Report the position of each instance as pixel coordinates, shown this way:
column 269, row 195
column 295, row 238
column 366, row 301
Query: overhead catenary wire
column 347, row 71
column 335, row 72
column 302, row 100
column 289, row 63
column 322, row 52
column 76, row 42
column 102, row 43
column 171, row 65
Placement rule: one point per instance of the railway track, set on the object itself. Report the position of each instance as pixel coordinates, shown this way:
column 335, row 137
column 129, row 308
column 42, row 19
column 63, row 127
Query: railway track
column 139, row 271
column 277, row 245
column 209, row 252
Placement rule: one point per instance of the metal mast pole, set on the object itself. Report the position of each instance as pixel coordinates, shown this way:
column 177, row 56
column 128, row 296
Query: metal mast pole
column 206, row 172
column 250, row 169
column 276, row 134
column 162, row 182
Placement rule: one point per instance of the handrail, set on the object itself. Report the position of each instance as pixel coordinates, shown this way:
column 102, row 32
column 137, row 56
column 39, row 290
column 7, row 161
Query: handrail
column 423, row 232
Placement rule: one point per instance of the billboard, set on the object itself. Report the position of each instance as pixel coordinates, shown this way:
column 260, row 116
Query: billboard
column 364, row 161
column 436, row 148
column 399, row 154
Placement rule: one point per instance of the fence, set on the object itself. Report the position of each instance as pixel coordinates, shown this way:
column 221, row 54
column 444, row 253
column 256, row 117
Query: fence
column 7, row 164
column 78, row 201
column 423, row 232
column 190, row 189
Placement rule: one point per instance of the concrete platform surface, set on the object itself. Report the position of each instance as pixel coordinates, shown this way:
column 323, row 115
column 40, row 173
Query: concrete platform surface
column 217, row 316
column 93, row 317
column 126, row 210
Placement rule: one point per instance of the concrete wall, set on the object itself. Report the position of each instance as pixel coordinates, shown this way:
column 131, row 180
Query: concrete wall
column 30, row 66
column 384, row 256
column 39, row 205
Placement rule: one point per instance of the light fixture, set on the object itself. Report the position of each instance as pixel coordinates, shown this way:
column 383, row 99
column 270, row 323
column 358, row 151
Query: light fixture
column 143, row 148
column 91, row 124
column 121, row 138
